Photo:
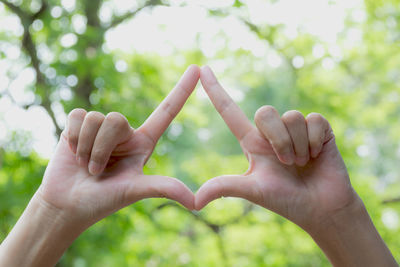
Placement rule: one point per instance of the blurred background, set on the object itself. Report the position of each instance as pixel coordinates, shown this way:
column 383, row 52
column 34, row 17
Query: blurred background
column 338, row 58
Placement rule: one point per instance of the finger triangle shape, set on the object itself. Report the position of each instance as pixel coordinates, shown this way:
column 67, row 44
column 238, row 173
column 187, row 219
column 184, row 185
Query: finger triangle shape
column 228, row 185
column 291, row 158
column 105, row 154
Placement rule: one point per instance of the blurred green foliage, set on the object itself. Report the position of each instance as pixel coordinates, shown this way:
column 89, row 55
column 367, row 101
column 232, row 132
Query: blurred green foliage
column 355, row 86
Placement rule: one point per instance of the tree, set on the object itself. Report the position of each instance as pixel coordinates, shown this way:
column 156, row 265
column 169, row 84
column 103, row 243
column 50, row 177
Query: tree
column 353, row 83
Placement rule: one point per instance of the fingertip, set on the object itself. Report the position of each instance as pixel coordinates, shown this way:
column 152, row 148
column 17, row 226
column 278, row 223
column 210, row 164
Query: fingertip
column 315, row 152
column 302, row 161
column 176, row 190
column 190, row 204
column 207, row 76
column 263, row 115
column 198, row 206
column 195, row 69
column 287, row 159
column 77, row 112
column 283, row 150
column 95, row 168
column 186, row 198
column 211, row 190
column 201, row 196
column 189, row 79
column 198, row 200
column 265, row 112
column 205, row 68
column 201, row 204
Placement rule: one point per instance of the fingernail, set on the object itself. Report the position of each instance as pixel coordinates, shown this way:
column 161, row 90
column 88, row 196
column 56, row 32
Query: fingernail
column 315, row 151
column 287, row 159
column 94, row 168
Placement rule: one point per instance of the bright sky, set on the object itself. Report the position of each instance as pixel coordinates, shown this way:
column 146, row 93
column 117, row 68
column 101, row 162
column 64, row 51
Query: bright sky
column 163, row 30
column 178, row 27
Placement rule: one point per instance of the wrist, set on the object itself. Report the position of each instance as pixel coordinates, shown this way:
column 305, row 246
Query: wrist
column 348, row 237
column 349, row 216
column 55, row 219
column 40, row 237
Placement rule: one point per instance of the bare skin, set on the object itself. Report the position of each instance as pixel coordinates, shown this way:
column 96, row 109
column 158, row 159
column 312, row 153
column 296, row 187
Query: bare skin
column 296, row 170
column 96, row 170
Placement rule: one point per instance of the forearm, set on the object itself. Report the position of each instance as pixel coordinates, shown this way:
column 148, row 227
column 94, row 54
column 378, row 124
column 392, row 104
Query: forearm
column 40, row 237
column 350, row 239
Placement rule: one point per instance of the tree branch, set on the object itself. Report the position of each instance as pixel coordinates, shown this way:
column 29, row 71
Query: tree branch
column 42, row 9
column 86, row 85
column 15, row 9
column 216, row 228
column 391, row 200
column 91, row 11
column 120, row 19
column 30, row 48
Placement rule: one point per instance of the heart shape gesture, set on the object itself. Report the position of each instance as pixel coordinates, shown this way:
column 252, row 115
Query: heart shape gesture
column 295, row 168
column 98, row 164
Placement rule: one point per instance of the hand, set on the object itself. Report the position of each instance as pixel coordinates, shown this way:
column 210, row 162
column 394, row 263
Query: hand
column 98, row 164
column 296, row 171
column 295, row 167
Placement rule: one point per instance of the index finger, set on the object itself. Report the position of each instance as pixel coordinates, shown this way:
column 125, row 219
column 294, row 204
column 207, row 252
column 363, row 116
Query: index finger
column 233, row 116
column 160, row 119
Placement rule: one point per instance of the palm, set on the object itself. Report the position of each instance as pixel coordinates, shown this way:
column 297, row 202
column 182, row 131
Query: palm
column 298, row 193
column 322, row 183
column 70, row 186
column 66, row 184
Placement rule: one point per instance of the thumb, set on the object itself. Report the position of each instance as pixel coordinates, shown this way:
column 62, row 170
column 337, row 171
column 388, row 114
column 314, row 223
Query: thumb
column 152, row 186
column 226, row 186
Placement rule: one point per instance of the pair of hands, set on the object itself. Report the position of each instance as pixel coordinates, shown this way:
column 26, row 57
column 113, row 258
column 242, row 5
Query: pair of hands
column 295, row 168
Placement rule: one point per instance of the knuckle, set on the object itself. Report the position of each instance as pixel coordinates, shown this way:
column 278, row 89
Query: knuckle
column 169, row 109
column 116, row 120
column 224, row 104
column 94, row 117
column 77, row 113
column 316, row 118
column 265, row 113
column 293, row 117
